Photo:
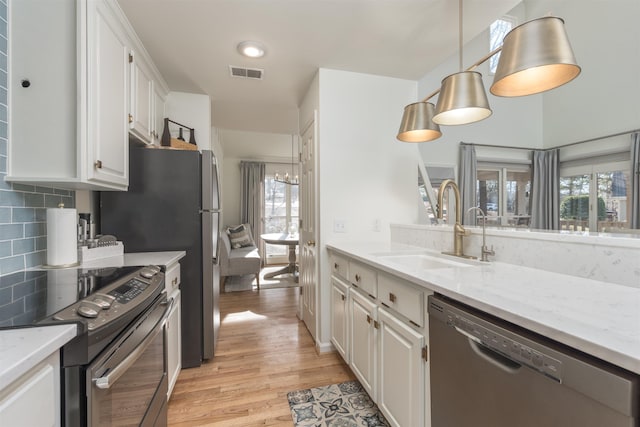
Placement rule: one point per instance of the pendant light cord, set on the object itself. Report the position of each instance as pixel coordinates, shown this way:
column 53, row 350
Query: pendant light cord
column 460, row 33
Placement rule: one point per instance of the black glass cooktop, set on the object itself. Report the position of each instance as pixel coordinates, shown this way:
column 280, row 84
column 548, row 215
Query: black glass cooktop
column 27, row 297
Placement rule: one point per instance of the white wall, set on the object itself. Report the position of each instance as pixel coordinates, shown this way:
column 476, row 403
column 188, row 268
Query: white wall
column 192, row 110
column 365, row 176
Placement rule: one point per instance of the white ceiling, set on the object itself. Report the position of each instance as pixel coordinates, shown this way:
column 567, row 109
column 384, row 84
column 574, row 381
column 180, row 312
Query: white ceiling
column 193, row 42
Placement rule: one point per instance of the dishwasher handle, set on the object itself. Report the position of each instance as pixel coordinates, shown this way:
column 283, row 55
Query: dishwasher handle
column 498, row 360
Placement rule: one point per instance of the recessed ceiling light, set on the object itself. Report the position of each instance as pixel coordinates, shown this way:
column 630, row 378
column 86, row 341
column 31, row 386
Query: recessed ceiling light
column 251, row 49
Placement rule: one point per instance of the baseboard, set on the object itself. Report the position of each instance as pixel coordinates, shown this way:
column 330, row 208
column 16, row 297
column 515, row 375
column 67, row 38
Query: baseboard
column 324, row 347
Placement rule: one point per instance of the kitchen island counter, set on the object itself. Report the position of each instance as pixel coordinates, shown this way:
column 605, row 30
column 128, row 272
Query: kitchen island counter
column 598, row 318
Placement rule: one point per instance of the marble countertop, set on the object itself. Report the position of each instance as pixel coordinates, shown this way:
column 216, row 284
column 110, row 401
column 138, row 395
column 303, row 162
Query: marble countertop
column 598, row 318
column 138, row 258
column 23, row 348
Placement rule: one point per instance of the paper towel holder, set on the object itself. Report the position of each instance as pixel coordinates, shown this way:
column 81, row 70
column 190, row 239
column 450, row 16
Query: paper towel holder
column 60, row 266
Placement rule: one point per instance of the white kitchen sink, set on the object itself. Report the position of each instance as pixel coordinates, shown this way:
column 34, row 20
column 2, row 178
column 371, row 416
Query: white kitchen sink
column 425, row 262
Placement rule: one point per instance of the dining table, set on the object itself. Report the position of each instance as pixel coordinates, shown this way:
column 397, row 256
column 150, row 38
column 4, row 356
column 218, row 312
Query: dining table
column 286, row 239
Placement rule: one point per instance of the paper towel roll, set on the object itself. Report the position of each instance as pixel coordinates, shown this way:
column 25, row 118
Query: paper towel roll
column 62, row 246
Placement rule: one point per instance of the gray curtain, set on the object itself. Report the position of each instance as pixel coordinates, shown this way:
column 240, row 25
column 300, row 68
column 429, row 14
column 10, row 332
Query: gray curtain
column 468, row 177
column 252, row 197
column 635, row 180
column 545, row 191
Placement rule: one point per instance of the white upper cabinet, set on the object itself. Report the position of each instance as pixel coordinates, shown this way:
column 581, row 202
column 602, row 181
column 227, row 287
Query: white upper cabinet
column 159, row 102
column 141, row 120
column 72, row 92
column 108, row 48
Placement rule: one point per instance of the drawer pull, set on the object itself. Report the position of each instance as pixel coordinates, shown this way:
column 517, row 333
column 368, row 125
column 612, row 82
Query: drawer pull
column 357, row 277
column 392, row 297
column 368, row 319
column 98, row 164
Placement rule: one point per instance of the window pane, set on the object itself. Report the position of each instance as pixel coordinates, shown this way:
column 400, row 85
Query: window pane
column 275, row 208
column 574, row 203
column 497, row 31
column 281, row 209
column 518, row 187
column 613, row 193
column 487, row 192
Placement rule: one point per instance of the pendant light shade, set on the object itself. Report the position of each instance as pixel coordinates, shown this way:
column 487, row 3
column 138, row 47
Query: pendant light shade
column 462, row 100
column 417, row 123
column 536, row 57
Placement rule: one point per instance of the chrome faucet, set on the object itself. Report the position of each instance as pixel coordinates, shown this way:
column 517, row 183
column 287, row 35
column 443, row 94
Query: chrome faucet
column 458, row 230
column 485, row 251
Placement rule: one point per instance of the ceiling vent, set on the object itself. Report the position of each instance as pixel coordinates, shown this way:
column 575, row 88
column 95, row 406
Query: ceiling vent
column 246, row 73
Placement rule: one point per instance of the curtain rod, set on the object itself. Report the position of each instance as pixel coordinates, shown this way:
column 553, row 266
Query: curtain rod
column 629, row 132
column 552, row 148
column 497, row 146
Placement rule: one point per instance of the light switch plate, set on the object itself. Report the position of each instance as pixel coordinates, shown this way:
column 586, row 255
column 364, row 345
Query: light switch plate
column 339, row 226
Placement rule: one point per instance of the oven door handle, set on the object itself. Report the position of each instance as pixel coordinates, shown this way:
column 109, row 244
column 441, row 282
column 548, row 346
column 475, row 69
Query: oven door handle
column 105, row 382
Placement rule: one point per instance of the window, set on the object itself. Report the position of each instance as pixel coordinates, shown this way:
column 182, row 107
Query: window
column 502, row 192
column 497, row 31
column 595, row 197
column 280, row 212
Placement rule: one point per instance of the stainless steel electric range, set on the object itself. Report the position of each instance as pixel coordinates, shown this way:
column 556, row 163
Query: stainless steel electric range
column 114, row 371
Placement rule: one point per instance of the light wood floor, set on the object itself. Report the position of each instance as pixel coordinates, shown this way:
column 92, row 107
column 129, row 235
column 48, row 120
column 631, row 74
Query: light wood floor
column 263, row 353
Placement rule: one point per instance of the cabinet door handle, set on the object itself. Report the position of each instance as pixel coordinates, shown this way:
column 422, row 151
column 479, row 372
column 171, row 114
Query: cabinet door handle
column 343, row 297
column 130, row 118
column 357, row 277
column 368, row 319
column 376, row 324
column 98, row 164
column 392, row 297
column 174, row 281
column 311, row 243
column 335, row 265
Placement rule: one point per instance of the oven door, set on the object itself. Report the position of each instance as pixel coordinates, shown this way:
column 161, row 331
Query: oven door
column 127, row 383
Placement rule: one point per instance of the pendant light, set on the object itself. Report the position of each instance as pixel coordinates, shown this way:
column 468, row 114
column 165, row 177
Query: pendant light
column 288, row 179
column 536, row 57
column 462, row 97
column 417, row 123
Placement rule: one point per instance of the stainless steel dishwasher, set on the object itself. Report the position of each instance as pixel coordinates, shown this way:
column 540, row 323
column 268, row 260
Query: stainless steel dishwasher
column 487, row 372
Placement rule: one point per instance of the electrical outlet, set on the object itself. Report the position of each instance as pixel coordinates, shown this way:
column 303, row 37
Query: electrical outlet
column 339, row 226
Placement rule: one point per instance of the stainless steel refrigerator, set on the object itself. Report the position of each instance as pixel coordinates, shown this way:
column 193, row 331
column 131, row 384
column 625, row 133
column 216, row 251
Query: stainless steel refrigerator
column 173, row 204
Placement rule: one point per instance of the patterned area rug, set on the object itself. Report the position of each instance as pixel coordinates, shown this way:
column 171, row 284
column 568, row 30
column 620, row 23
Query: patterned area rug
column 336, row 405
column 248, row 281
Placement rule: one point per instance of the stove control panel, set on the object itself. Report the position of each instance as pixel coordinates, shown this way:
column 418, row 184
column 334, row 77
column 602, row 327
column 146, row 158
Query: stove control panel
column 115, row 299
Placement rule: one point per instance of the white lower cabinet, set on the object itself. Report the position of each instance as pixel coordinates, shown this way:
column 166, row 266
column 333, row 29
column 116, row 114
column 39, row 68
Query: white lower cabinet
column 173, row 331
column 401, row 371
column 340, row 317
column 363, row 335
column 174, row 342
column 382, row 333
column 34, row 398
